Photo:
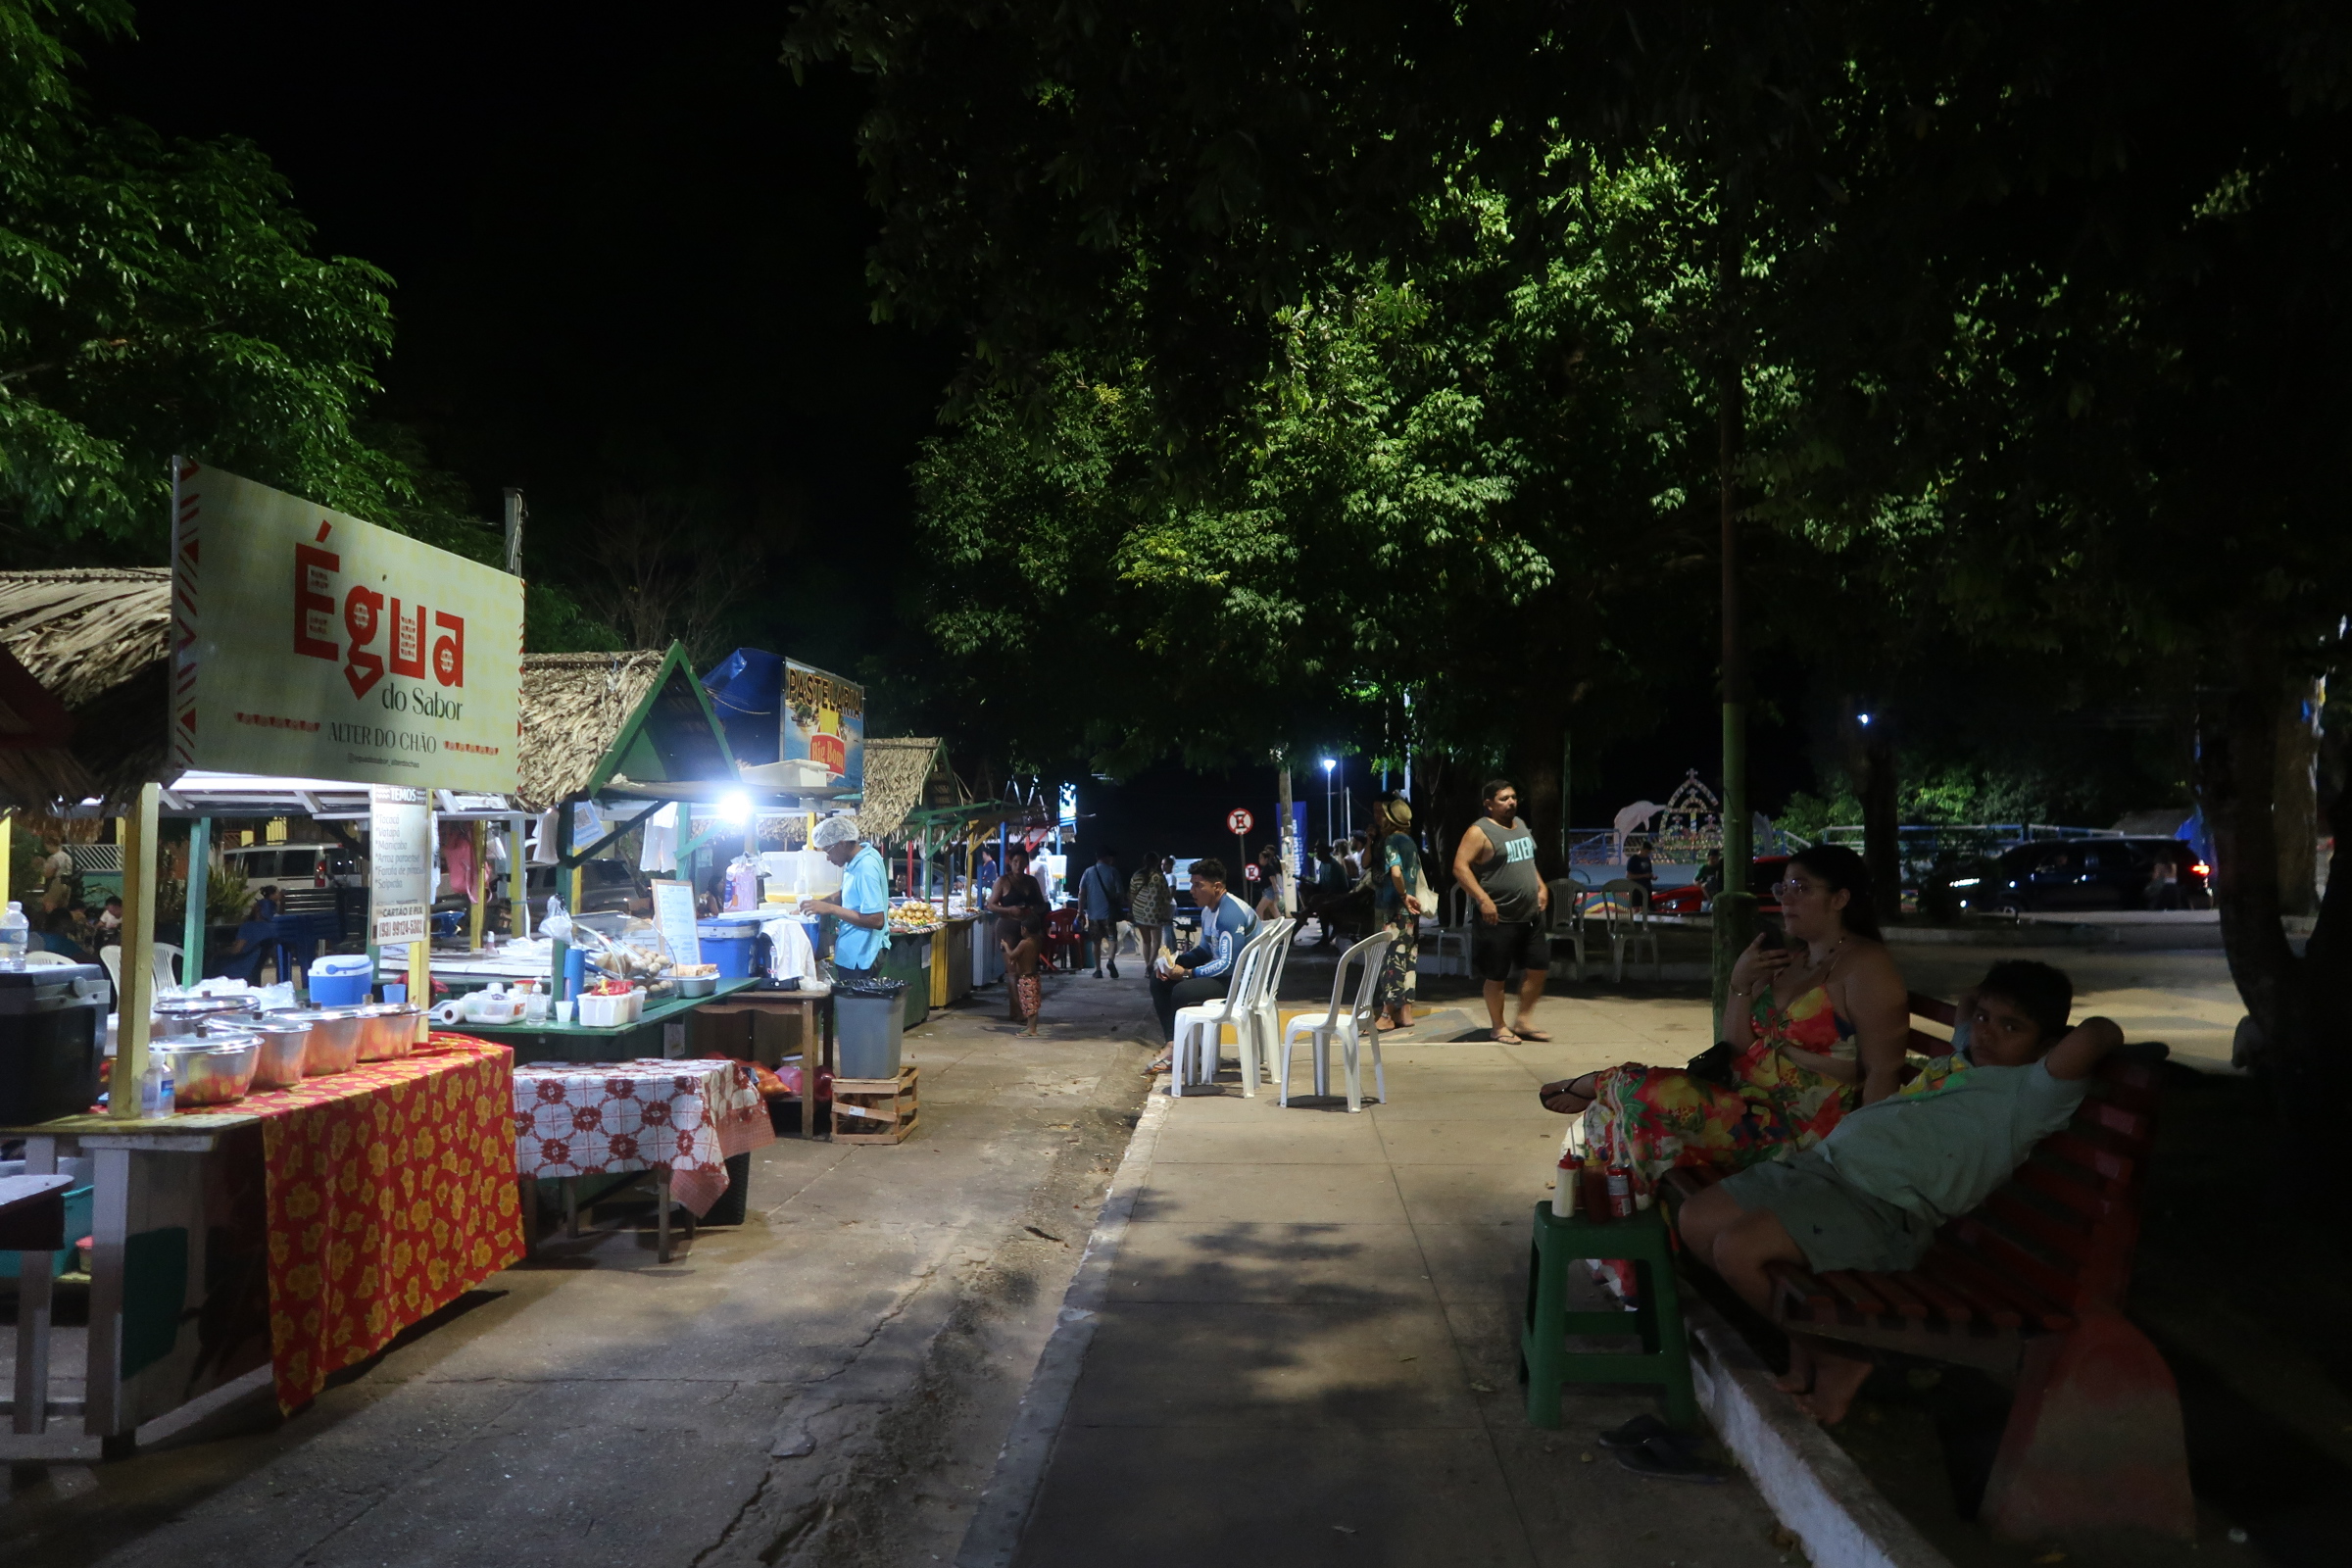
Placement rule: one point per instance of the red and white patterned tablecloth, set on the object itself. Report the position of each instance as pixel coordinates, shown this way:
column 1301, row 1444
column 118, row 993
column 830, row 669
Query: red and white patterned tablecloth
column 593, row 1118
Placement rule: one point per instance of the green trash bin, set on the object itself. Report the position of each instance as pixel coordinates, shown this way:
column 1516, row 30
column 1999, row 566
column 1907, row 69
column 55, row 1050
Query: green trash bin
column 902, row 960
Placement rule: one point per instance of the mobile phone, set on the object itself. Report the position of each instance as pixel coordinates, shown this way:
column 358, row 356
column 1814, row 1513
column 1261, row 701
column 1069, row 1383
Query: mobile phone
column 1775, row 938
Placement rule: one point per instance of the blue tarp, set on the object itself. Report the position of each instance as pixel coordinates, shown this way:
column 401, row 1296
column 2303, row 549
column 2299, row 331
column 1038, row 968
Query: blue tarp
column 747, row 690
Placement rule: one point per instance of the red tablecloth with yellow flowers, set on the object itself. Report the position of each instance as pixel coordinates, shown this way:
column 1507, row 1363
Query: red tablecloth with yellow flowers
column 391, row 1192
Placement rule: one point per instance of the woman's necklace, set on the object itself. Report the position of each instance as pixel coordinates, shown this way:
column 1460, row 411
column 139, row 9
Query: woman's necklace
column 1819, row 965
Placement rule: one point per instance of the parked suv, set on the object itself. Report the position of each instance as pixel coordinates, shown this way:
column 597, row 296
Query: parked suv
column 2054, row 875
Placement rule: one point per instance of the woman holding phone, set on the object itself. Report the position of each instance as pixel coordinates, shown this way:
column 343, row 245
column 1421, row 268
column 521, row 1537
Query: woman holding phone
column 1815, row 1024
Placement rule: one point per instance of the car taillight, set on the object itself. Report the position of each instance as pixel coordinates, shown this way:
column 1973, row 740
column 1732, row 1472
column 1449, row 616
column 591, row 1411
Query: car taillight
column 2200, row 868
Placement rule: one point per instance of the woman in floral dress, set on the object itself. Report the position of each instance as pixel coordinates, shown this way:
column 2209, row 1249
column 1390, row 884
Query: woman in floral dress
column 1813, row 1028
column 1148, row 905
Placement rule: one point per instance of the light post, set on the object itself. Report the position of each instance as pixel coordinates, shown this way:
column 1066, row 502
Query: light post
column 1329, row 827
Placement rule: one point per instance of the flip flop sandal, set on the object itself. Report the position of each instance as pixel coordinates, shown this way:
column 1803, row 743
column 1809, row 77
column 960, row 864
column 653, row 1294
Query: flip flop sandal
column 1502, row 1036
column 1537, row 1036
column 1641, row 1429
column 1666, row 1460
column 1163, row 1064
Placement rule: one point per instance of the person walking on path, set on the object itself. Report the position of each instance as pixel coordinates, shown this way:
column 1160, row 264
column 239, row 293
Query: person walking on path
column 1099, row 899
column 1496, row 865
column 863, row 907
column 1150, row 907
column 1396, row 872
column 1204, row 972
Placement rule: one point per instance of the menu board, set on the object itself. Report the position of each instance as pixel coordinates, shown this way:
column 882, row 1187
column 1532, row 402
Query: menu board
column 400, row 863
column 673, row 918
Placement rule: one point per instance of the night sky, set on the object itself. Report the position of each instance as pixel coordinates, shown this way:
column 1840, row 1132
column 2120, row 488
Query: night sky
column 629, row 255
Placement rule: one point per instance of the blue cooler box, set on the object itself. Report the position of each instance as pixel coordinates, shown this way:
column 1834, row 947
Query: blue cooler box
column 728, row 943
column 340, row 980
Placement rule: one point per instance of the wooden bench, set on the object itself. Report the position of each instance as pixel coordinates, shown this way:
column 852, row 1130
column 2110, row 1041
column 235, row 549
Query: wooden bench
column 2029, row 1289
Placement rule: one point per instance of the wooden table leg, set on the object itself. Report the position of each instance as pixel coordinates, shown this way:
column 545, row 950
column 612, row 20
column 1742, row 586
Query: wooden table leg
column 825, row 1009
column 33, row 1311
column 571, row 1207
column 810, row 1055
column 662, row 1227
column 527, row 1188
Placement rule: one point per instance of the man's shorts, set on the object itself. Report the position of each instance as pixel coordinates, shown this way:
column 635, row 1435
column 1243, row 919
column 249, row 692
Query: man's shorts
column 1103, row 929
column 1836, row 1223
column 1506, row 945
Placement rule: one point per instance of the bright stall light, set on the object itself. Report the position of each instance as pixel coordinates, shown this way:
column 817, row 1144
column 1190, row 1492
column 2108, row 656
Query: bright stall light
column 735, row 807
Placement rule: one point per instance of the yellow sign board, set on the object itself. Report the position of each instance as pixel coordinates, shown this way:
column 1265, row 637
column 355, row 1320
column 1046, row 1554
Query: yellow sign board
column 306, row 642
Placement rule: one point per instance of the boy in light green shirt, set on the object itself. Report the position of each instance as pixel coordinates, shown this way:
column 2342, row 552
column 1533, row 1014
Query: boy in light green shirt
column 1873, row 1193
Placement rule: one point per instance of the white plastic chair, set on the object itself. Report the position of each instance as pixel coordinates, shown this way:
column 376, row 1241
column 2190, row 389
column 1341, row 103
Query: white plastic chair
column 1568, row 921
column 1260, row 1025
column 112, row 956
column 1197, row 1046
column 1351, row 1028
column 1455, row 935
column 1629, row 927
column 43, row 958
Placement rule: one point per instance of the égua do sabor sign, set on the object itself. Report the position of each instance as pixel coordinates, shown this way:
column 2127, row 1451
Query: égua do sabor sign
column 308, row 642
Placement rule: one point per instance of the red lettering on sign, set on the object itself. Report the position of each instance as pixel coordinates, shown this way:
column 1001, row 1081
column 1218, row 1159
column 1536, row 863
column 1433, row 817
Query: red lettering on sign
column 314, row 602
column 407, row 643
column 449, row 652
column 363, row 614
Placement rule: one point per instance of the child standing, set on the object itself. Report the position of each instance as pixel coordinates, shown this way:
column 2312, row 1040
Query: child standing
column 1021, row 969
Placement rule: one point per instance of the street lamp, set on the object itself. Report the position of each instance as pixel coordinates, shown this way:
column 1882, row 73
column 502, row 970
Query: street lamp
column 1330, row 832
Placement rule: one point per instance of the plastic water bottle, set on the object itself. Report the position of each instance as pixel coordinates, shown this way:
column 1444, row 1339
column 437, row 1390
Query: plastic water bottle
column 156, row 1097
column 15, row 937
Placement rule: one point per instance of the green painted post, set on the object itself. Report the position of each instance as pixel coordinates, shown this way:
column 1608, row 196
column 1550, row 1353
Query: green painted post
column 1734, row 905
column 200, row 867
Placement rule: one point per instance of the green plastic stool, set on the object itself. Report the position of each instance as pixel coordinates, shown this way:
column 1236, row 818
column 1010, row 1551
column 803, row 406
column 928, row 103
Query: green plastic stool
column 1545, row 1359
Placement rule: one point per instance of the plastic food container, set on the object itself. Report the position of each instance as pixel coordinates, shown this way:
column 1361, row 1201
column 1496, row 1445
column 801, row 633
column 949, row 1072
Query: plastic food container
column 728, row 943
column 212, row 1069
column 697, row 985
column 286, row 1042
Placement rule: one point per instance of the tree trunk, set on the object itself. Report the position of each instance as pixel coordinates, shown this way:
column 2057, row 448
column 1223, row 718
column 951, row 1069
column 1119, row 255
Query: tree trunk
column 2298, row 809
column 1870, row 763
column 1536, row 770
column 2304, row 1024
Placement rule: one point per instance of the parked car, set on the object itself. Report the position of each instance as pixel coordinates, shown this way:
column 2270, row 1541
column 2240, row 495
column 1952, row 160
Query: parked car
column 300, row 865
column 1763, row 875
column 2053, row 876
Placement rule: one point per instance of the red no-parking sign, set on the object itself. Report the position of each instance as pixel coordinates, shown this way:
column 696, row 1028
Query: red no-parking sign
column 1239, row 821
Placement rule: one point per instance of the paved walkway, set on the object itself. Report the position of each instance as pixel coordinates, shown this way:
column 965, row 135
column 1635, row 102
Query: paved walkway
column 1308, row 1353
column 828, row 1383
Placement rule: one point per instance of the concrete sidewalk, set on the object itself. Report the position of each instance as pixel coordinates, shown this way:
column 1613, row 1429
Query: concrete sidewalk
column 828, row 1383
column 1308, row 1349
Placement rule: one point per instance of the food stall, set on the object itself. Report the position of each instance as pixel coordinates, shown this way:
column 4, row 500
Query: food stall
column 311, row 1183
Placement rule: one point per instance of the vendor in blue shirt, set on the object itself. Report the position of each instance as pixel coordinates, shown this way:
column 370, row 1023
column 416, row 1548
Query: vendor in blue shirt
column 1203, row 973
column 864, row 908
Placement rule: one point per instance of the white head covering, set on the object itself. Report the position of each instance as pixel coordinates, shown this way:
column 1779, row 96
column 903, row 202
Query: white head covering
column 840, row 829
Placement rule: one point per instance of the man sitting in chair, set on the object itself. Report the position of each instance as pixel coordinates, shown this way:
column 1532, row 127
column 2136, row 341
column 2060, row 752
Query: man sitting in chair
column 1872, row 1195
column 1203, row 973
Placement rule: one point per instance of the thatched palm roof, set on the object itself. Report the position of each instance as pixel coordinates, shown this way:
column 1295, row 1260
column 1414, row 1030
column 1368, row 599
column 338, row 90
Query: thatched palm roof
column 573, row 705
column 576, row 713
column 895, row 770
column 96, row 638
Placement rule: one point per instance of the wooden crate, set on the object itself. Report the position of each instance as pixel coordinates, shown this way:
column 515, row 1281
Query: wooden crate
column 891, row 1111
